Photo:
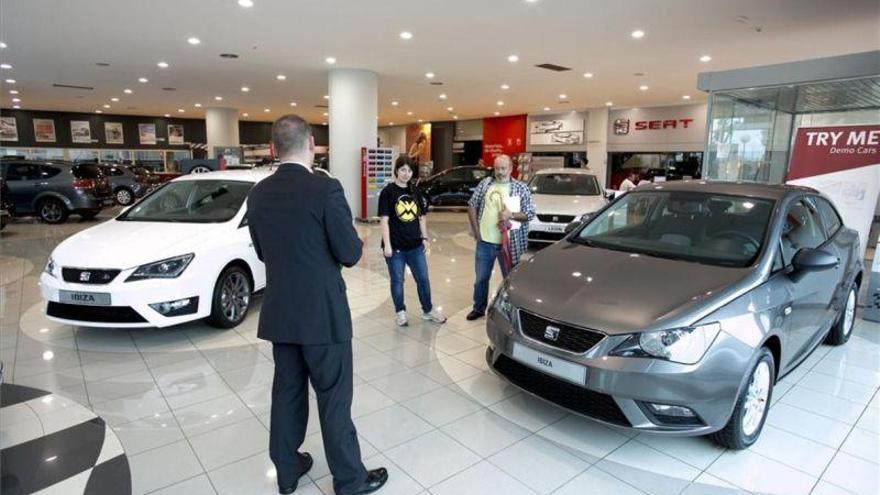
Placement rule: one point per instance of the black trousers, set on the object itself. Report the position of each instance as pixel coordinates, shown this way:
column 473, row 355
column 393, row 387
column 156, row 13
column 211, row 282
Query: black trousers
column 330, row 369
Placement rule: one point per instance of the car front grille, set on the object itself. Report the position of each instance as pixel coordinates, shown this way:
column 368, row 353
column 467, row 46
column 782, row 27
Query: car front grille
column 567, row 337
column 95, row 314
column 578, row 399
column 556, row 218
column 88, row 276
column 537, row 235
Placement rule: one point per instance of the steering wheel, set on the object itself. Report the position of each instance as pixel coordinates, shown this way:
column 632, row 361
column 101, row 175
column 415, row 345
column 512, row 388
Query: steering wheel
column 735, row 234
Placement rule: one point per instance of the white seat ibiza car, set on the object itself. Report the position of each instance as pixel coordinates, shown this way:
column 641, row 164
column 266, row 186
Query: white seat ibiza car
column 562, row 196
column 182, row 253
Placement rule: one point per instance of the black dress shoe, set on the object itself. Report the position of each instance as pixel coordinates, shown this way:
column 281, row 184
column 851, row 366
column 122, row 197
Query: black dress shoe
column 473, row 315
column 376, row 478
column 305, row 461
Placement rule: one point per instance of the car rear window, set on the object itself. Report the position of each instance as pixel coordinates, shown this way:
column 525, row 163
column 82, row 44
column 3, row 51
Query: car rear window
column 84, row 171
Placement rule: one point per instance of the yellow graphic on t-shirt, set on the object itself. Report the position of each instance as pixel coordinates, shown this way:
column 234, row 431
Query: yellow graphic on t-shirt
column 406, row 208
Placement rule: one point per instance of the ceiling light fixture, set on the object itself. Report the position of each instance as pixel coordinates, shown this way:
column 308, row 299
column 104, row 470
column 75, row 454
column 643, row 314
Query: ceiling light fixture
column 143, row 80
column 244, row 114
column 193, row 40
column 449, row 109
column 563, row 96
column 706, row 58
column 609, row 103
column 127, row 91
column 420, row 121
column 513, row 58
column 395, row 103
column 643, row 87
column 409, row 113
column 455, row 117
column 16, row 100
column 198, row 105
column 180, row 110
column 266, row 110
column 499, row 103
column 429, row 75
column 245, row 89
column 2, row 44
column 13, row 91
column 10, row 81
column 391, row 123
column 505, row 87
column 246, row 3
column 218, row 98
column 5, row 66
column 588, row 75
column 406, row 35
column 162, row 65
column 638, row 34
column 293, row 103
column 330, row 60
column 167, row 115
column 497, row 113
column 546, row 109
column 442, row 96
column 326, row 114
column 106, row 105
column 99, row 111
column 326, row 97
column 281, row 77
column 16, row 107
column 686, row 97
column 114, row 99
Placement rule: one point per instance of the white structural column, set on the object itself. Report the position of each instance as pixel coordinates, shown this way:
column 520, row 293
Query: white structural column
column 353, row 106
column 221, row 128
column 597, row 142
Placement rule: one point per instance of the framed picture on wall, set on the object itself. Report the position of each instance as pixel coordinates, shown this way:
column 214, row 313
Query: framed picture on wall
column 113, row 133
column 80, row 131
column 44, row 130
column 175, row 134
column 147, row 133
column 8, row 129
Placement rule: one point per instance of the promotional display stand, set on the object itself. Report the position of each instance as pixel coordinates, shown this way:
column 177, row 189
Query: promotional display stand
column 872, row 302
column 377, row 170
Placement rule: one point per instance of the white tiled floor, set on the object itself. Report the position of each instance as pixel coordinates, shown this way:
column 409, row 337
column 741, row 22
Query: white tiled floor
column 190, row 405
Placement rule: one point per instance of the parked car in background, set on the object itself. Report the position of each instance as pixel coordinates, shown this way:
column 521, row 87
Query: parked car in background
column 145, row 175
column 452, row 187
column 126, row 185
column 562, row 196
column 678, row 307
column 54, row 189
column 183, row 253
column 6, row 206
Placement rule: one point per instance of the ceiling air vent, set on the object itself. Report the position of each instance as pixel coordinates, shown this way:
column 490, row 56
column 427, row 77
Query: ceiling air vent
column 321, row 106
column 228, row 55
column 553, row 67
column 73, row 86
column 436, row 83
column 169, row 89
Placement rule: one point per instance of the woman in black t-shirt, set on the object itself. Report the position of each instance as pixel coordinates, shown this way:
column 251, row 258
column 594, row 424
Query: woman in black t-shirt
column 404, row 233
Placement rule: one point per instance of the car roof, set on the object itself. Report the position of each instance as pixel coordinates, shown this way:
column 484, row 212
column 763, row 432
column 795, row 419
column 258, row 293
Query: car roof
column 577, row 171
column 245, row 175
column 750, row 189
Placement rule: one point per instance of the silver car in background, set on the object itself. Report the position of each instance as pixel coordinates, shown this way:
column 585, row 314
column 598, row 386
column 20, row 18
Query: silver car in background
column 562, row 196
column 676, row 308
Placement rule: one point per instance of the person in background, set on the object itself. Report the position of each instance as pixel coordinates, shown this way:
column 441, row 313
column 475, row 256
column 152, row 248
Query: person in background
column 629, row 183
column 497, row 201
column 404, row 234
column 417, row 151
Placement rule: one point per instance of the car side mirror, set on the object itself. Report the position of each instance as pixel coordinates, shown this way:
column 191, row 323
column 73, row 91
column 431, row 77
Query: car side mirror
column 808, row 260
column 609, row 195
column 577, row 223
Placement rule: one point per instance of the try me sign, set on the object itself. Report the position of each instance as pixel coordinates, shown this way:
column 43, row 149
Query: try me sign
column 822, row 150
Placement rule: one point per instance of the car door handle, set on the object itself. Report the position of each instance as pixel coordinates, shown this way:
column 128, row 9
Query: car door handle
column 787, row 310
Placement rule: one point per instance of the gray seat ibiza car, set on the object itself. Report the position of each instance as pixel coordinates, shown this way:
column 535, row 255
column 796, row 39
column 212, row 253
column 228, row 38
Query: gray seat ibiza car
column 676, row 308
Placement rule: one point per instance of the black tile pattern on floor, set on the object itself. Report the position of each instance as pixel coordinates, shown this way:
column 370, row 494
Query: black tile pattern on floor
column 11, row 395
column 111, row 477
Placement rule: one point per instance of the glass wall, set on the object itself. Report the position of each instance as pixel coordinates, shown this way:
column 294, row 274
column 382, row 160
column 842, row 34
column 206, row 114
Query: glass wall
column 158, row 160
column 654, row 167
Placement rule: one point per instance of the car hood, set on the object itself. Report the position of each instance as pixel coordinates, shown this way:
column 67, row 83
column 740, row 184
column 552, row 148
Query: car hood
column 124, row 245
column 566, row 205
column 616, row 292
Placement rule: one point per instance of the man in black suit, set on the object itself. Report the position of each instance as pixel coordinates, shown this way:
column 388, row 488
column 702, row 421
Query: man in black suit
column 302, row 230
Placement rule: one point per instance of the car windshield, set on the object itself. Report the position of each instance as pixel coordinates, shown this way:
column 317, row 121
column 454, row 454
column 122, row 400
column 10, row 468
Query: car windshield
column 565, row 184
column 693, row 226
column 193, row 201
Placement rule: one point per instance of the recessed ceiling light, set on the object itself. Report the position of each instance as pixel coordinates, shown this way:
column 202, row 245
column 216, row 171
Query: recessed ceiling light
column 643, row 87
column 5, row 66
column 391, row 123
column 10, row 81
column 420, row 120
column 326, row 114
column 244, row 114
column 106, row 105
column 2, row 44
column 563, row 96
column 126, row 91
column 281, row 77
column 609, row 103
column 455, row 117
column 193, row 40
column 395, row 103
column 114, row 99
column 497, row 113
column 449, row 109
column 499, row 103
column 16, row 107
column 162, row 65
column 180, row 110
column 293, row 103
column 13, row 91
column 266, row 110
column 246, row 3
column 409, row 113
column 588, row 75
column 531, row 1
column 245, row 89
column 686, row 97
column 99, row 111
column 706, row 58
column 218, row 98
column 546, row 109
column 167, row 115
column 326, row 97
column 505, row 87
column 198, row 105
column 143, row 80
column 406, row 35
column 16, row 100
column 429, row 75
column 330, row 60
column 513, row 58
column 442, row 96
column 323, row 123
column 637, row 34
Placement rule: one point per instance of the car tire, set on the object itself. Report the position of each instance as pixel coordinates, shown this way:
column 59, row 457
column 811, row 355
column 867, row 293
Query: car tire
column 89, row 214
column 842, row 329
column 232, row 297
column 200, row 169
column 52, row 211
column 124, row 196
column 752, row 406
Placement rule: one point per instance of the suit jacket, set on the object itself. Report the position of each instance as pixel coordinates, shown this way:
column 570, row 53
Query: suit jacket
column 302, row 230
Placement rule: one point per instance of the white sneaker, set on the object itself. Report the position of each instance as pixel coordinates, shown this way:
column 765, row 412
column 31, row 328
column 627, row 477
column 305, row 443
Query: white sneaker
column 401, row 319
column 434, row 316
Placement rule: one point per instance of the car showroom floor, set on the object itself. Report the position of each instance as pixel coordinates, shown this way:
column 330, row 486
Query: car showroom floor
column 189, row 406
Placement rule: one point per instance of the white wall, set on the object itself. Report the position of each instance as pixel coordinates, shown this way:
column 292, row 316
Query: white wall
column 692, row 138
column 597, row 142
column 393, row 136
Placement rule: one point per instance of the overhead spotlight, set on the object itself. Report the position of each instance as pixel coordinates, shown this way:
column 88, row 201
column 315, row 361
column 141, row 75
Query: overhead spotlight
column 162, row 65
column 16, row 100
column 609, row 103
column 406, row 35
column 588, row 75
column 409, row 113
column 326, row 97
column 167, row 115
column 563, row 96
column 17, row 107
column 429, row 75
column 326, row 114
column 2, row 44
column 99, row 111
column 395, row 103
column 5, row 66
column 686, row 97
column 126, row 91
column 449, row 109
column 442, row 96
column 513, row 58
column 281, row 77
column 505, row 87
column 330, row 60
column 193, row 40
column 293, row 103
column 218, row 98
column 497, row 113
column 267, row 110
column 420, row 121
column 246, row 3
column 10, row 81
column 245, row 114
column 198, row 105
column 245, row 89
column 114, row 99
column 638, row 34
column 13, row 91
column 180, row 110
column 391, row 123
column 143, row 80
column 546, row 109
column 106, row 105
column 643, row 87
column 455, row 117
column 706, row 58
column 499, row 103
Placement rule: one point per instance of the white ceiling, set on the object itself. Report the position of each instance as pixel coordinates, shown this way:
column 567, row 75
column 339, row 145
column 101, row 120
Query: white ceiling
column 465, row 43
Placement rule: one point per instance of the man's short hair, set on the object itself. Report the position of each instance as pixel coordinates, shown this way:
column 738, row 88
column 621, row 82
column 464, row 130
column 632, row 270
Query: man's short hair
column 290, row 135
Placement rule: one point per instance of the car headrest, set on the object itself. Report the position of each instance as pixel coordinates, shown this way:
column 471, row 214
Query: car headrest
column 684, row 207
column 717, row 206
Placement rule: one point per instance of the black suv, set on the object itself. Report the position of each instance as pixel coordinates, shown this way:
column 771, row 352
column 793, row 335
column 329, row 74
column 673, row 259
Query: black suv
column 54, row 189
column 453, row 187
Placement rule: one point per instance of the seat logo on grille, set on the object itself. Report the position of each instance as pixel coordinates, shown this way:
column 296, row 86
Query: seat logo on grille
column 555, row 219
column 85, row 276
column 551, row 333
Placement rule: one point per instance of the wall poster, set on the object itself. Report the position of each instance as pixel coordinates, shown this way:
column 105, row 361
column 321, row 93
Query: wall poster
column 113, row 133
column 80, row 131
column 44, row 130
column 564, row 130
column 175, row 134
column 8, row 129
column 147, row 133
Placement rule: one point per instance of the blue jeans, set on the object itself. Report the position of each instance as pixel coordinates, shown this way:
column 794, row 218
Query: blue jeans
column 485, row 257
column 397, row 263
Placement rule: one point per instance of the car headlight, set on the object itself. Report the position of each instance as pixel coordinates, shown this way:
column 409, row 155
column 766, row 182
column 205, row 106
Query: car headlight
column 502, row 304
column 50, row 267
column 167, row 268
column 680, row 345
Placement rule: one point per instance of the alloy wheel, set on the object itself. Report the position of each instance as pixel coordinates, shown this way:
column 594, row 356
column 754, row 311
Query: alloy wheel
column 123, row 197
column 849, row 313
column 51, row 211
column 235, row 296
column 201, row 169
column 756, row 399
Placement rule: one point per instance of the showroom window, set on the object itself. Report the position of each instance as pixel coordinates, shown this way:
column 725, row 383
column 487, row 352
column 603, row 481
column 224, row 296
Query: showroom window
column 654, row 167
